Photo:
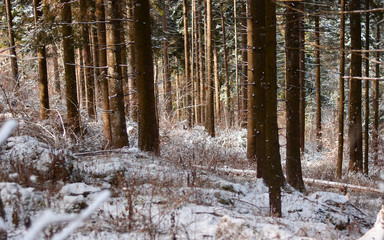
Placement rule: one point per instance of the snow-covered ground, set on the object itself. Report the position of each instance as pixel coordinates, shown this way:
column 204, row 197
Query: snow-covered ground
column 200, row 188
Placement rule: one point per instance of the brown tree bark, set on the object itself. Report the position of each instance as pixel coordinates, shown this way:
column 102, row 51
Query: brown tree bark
column 42, row 66
column 376, row 100
column 302, row 81
column 201, row 65
column 366, row 117
column 210, row 115
column 56, row 70
column 341, row 90
column 148, row 128
column 319, row 144
column 228, row 112
column 256, row 86
column 87, row 59
column 167, row 75
column 12, row 45
column 73, row 115
column 132, row 64
column 187, row 65
column 197, row 90
column 115, row 84
column 275, row 177
column 102, row 66
column 292, row 51
column 355, row 127
column 217, row 84
column 244, row 66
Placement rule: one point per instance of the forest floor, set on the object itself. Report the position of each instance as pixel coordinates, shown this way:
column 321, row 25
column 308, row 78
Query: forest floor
column 200, row 188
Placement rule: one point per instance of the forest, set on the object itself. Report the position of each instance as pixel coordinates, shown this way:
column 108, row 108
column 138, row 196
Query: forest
column 191, row 119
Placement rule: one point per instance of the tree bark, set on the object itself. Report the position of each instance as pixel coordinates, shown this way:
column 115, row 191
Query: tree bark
column 217, row 83
column 210, row 121
column 244, row 65
column 376, row 99
column 302, row 81
column 355, row 127
column 102, row 65
column 318, row 84
column 366, row 117
column 256, row 86
column 187, row 65
column 148, row 128
column 56, row 70
column 12, row 45
column 86, row 50
column 42, row 66
column 132, row 64
column 275, row 177
column 167, row 76
column 292, row 51
column 73, row 115
column 115, row 84
column 341, row 90
column 201, row 65
column 228, row 112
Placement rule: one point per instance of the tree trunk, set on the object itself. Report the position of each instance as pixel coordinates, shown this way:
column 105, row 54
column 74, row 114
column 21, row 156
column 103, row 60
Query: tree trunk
column 187, row 65
column 167, row 76
column 80, row 76
column 275, row 177
column 376, row 99
column 197, row 91
column 366, row 120
column 12, row 46
column 102, row 65
column 148, row 128
column 318, row 84
column 228, row 112
column 95, row 60
column 201, row 65
column 56, row 70
column 355, row 134
column 256, row 85
column 292, row 51
column 210, row 122
column 217, row 84
column 86, row 50
column 341, row 90
column 244, row 65
column 73, row 115
column 124, row 70
column 238, row 117
column 302, row 81
column 132, row 64
column 115, row 84
column 42, row 66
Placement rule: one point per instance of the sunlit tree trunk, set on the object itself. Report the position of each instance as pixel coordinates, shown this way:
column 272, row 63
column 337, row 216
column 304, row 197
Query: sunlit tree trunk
column 355, row 127
column 42, row 66
column 376, row 99
column 187, row 65
column 318, row 84
column 228, row 112
column 148, row 128
column 210, row 116
column 12, row 45
column 217, row 84
column 201, row 64
column 73, row 115
column 56, row 71
column 244, row 66
column 86, row 50
column 292, row 52
column 197, row 91
column 341, row 91
column 167, row 75
column 366, row 119
column 132, row 64
column 115, row 84
column 102, row 65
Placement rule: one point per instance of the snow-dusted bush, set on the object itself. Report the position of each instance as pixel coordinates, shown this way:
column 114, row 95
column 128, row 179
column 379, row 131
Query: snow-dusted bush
column 24, row 156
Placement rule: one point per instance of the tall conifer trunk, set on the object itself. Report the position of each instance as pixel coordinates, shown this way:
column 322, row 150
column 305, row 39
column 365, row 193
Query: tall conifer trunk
column 210, row 115
column 12, row 45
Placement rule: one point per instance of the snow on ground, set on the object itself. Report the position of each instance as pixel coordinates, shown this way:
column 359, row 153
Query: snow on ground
column 171, row 198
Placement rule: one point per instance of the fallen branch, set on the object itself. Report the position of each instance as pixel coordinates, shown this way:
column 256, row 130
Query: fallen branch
column 342, row 185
